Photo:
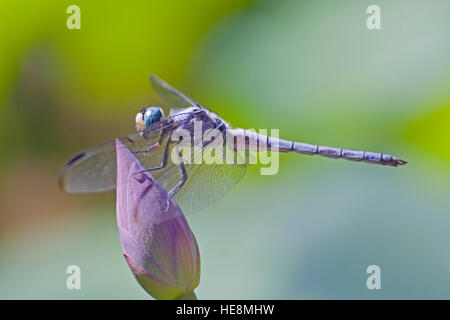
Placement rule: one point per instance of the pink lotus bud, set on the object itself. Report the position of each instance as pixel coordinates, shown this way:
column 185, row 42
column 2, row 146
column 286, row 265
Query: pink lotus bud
column 158, row 244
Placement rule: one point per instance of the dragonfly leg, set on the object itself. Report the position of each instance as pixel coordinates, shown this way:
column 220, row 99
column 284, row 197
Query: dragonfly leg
column 154, row 146
column 164, row 161
column 148, row 149
column 182, row 181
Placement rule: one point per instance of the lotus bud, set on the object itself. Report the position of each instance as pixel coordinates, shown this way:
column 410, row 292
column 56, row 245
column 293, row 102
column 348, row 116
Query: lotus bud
column 158, row 244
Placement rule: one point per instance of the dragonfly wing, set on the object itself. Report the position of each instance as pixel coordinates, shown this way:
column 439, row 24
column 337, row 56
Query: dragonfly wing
column 94, row 169
column 206, row 182
column 171, row 96
column 91, row 170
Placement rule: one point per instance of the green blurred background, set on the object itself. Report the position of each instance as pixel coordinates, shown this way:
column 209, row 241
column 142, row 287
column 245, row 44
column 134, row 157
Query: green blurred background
column 310, row 68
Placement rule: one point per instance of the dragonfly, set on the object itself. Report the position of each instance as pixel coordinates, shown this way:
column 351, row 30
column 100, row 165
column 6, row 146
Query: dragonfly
column 194, row 186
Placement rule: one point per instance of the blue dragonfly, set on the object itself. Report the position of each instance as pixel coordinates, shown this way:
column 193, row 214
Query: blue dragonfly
column 193, row 185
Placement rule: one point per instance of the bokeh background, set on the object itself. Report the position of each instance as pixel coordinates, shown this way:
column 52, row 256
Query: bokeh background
column 310, row 68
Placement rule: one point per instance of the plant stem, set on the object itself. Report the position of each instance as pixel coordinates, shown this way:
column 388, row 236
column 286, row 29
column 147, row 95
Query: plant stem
column 188, row 296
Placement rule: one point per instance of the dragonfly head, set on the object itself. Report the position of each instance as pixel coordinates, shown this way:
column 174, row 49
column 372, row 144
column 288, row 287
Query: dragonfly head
column 147, row 117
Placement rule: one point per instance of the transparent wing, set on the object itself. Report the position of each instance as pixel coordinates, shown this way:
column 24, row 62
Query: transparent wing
column 91, row 170
column 171, row 96
column 94, row 169
column 206, row 182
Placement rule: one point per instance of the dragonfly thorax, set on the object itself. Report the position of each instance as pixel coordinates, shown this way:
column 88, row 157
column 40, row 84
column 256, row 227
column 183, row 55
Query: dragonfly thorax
column 219, row 122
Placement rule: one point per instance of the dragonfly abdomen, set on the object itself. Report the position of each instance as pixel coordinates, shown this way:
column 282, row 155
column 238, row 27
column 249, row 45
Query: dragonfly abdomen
column 263, row 142
column 336, row 153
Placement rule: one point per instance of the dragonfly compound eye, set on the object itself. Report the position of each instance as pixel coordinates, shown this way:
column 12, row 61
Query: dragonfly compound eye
column 147, row 117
